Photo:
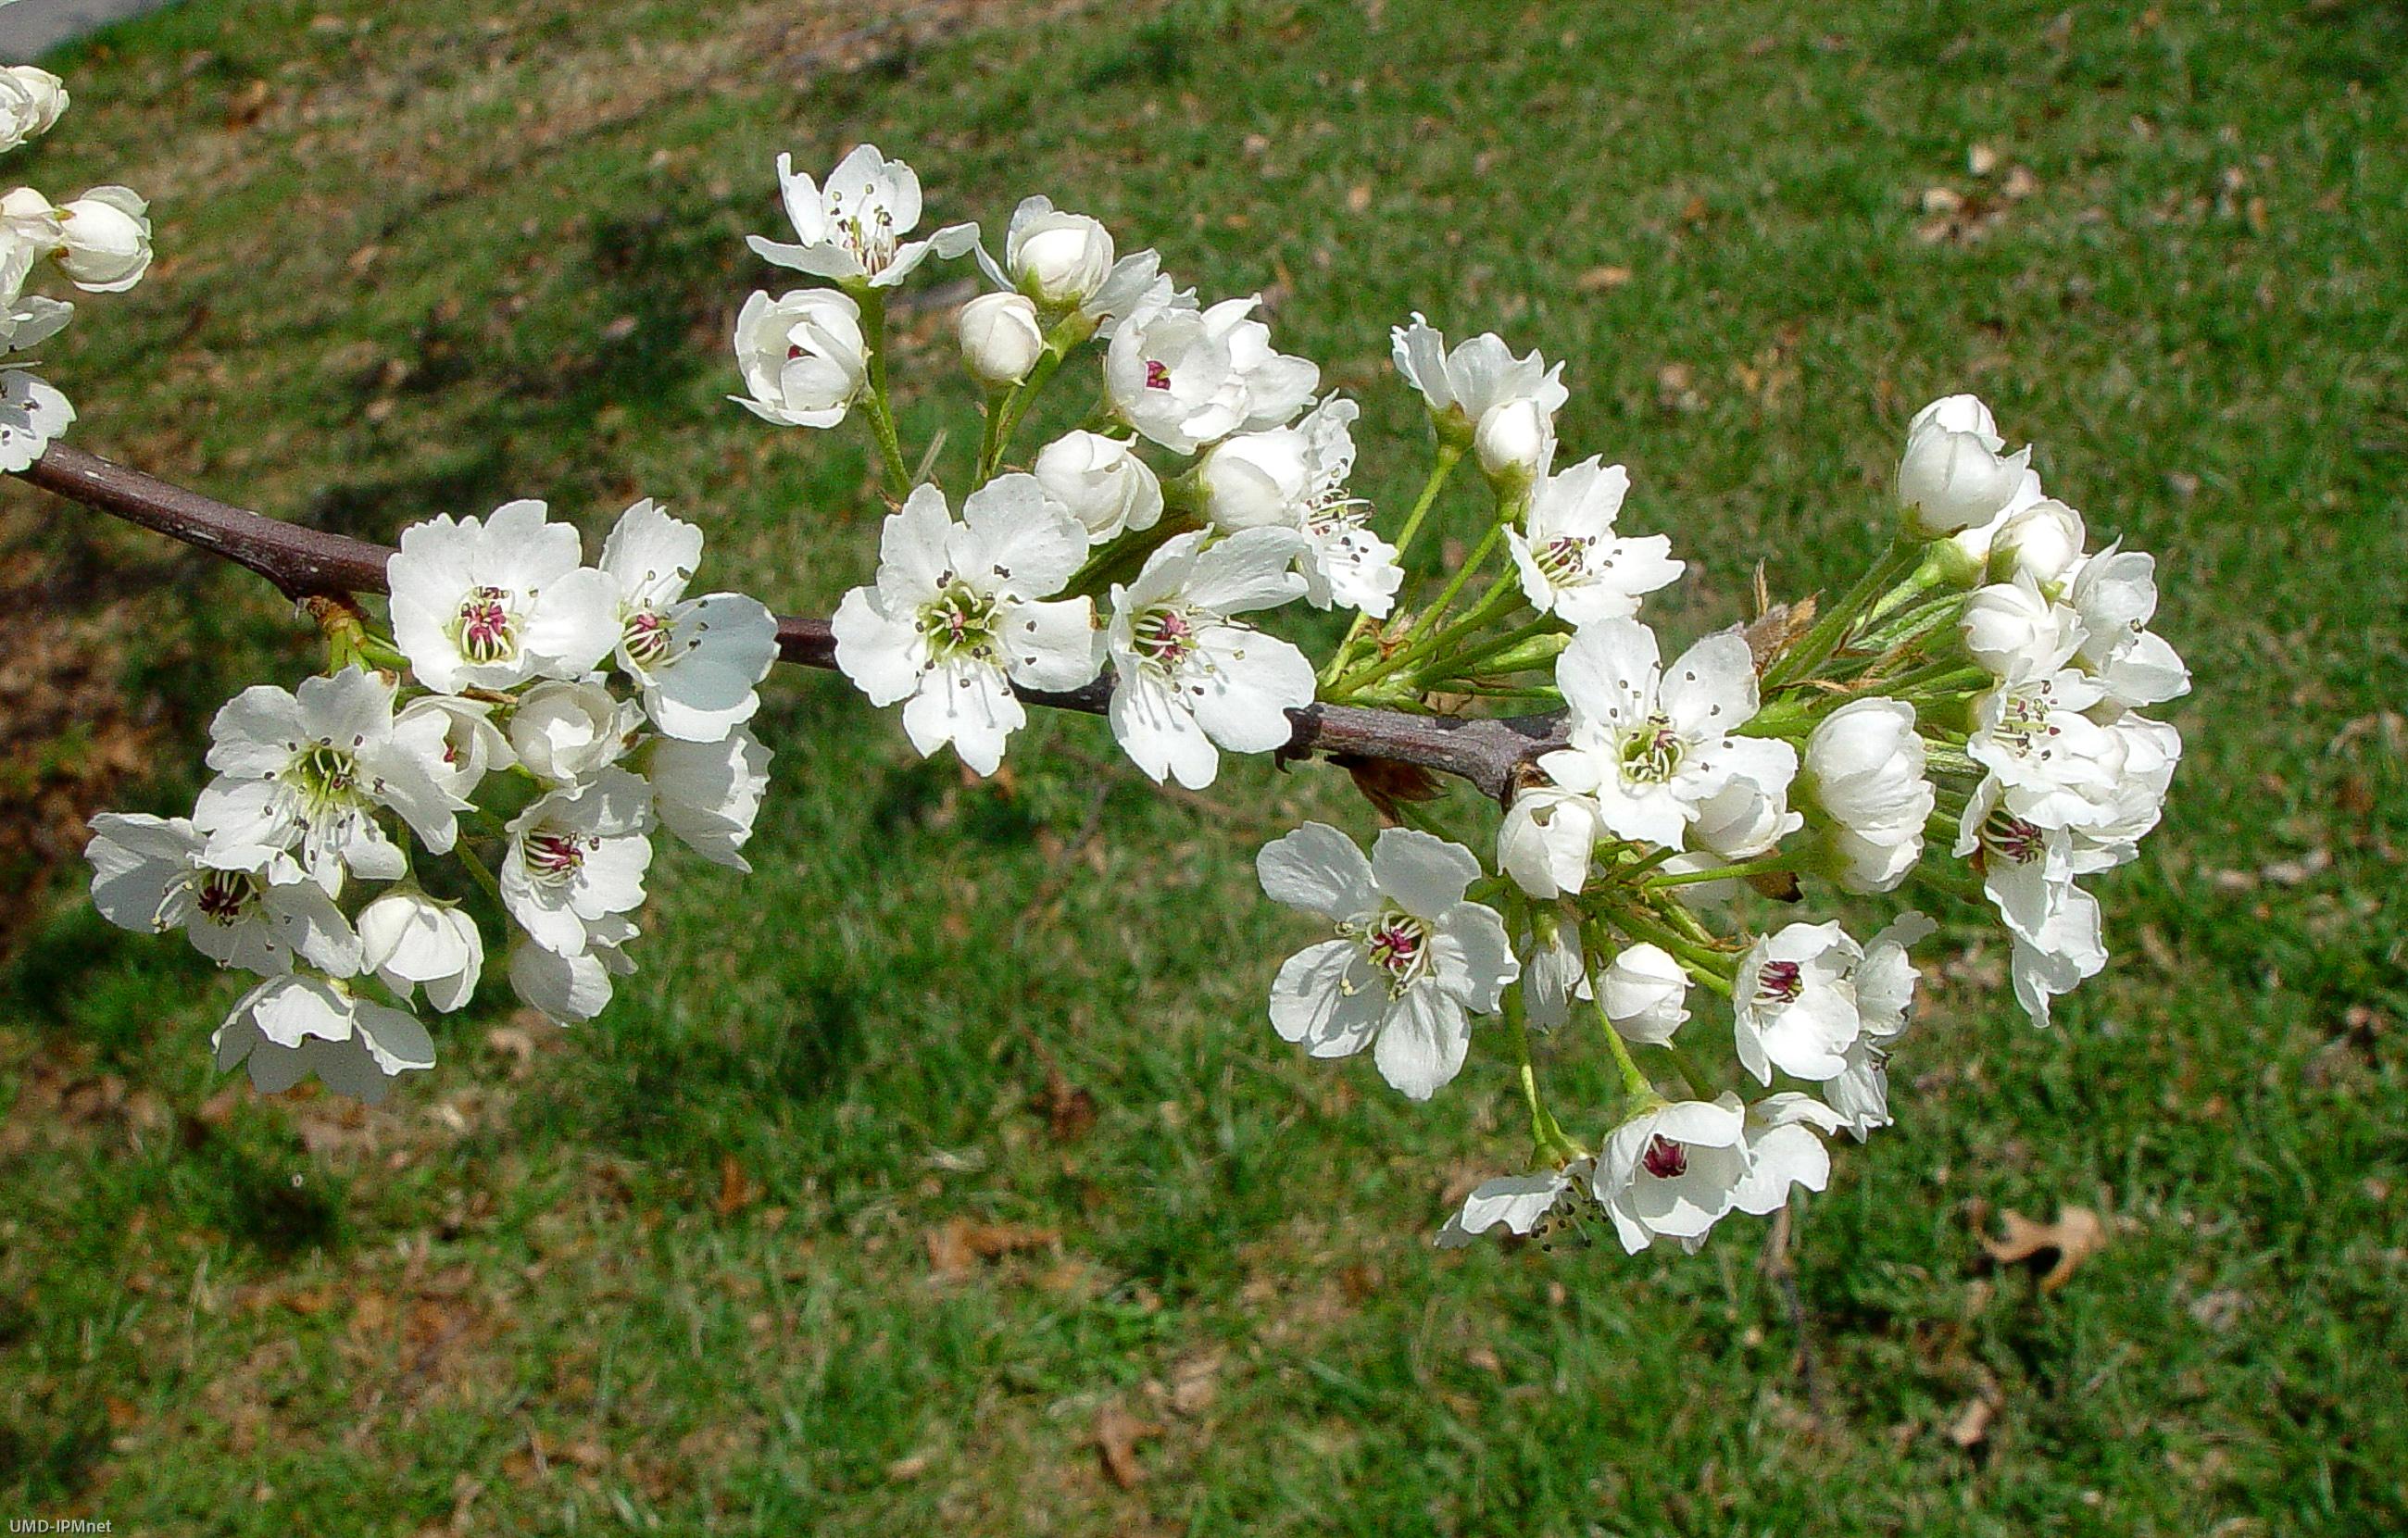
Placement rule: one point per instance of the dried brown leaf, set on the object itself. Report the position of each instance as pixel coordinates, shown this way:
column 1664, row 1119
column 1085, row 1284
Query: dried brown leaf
column 956, row 1245
column 2059, row 1247
column 1117, row 1434
column 1599, row 280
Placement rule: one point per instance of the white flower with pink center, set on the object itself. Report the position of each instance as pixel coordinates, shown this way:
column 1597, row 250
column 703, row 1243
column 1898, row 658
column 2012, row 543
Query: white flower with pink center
column 852, row 229
column 256, row 911
column 288, row 1028
column 577, row 860
column 308, row 769
column 697, row 663
column 962, row 612
column 489, row 602
column 1185, row 377
column 1412, row 961
column 1294, row 478
column 1571, row 563
column 1652, row 745
column 1672, row 1171
column 1192, row 677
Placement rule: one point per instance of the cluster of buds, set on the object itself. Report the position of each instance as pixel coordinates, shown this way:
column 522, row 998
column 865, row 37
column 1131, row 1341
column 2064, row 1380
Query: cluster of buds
column 1963, row 716
column 551, row 714
column 99, row 242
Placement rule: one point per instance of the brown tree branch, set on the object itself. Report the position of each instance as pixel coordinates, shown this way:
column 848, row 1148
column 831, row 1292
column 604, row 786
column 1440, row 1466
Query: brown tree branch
column 311, row 562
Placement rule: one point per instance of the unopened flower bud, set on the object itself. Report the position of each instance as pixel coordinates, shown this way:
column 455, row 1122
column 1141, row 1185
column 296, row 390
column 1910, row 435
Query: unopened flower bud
column 31, row 101
column 568, row 731
column 1102, row 482
column 410, row 940
column 1001, row 340
column 1952, row 476
column 107, row 235
column 1514, row 441
column 2042, row 542
column 1643, row 993
column 1058, row 260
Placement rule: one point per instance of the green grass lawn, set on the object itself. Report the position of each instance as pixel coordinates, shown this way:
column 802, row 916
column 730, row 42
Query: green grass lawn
column 675, row 1271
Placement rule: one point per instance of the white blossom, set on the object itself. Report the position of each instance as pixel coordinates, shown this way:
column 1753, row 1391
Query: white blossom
column 473, row 746
column 1954, row 474
column 1294, row 478
column 1864, row 767
column 410, row 940
column 2115, row 593
column 1001, row 338
column 1783, row 1151
column 1522, row 1203
column 564, row 732
column 1103, row 484
column 1190, row 675
column 576, row 857
column 802, row 356
column 1185, row 377
column 32, row 100
column 105, row 240
column 288, row 1028
column 2042, row 542
column 697, row 663
column 1570, row 564
column 2027, row 870
column 1672, row 1171
column 489, row 602
column 1413, row 959
column 1750, row 815
column 958, row 615
column 1546, row 839
column 572, row 989
column 1795, row 1001
column 2054, row 761
column 254, row 908
column 1060, row 259
column 1653, row 744
column 307, row 769
column 1481, row 395
column 852, row 229
column 1555, row 970
column 32, row 413
column 709, row 793
column 1645, row 994
column 2015, row 630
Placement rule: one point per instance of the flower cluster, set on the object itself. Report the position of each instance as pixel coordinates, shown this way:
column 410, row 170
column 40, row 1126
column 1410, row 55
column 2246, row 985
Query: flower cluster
column 555, row 713
column 99, row 242
column 1975, row 689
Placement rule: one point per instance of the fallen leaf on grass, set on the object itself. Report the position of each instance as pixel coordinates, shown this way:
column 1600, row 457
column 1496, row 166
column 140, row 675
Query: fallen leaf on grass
column 1971, row 1427
column 1597, row 279
column 956, row 1245
column 1069, row 1112
column 1117, row 1434
column 736, row 1191
column 2061, row 1246
column 1196, row 1382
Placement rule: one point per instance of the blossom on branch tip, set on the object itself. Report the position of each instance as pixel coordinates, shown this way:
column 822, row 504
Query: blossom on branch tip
column 1480, row 394
column 1060, row 259
column 572, row 989
column 489, row 602
column 852, row 229
column 802, row 356
column 288, row 1028
column 105, row 240
column 32, row 100
column 1546, row 839
column 1001, row 338
column 1190, row 676
column 1185, row 378
column 1672, row 1171
column 1953, row 474
column 577, row 860
column 1413, row 959
column 959, row 613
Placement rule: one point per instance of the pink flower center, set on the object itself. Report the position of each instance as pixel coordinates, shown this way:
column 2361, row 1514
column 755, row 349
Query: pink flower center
column 1396, row 944
column 1780, row 982
column 647, row 638
column 1157, row 374
column 2005, row 834
column 1166, row 635
column 225, row 896
column 1665, row 1159
column 486, row 632
column 554, row 856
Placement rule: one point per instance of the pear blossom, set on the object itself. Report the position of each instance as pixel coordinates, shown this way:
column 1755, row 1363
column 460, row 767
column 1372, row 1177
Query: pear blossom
column 1192, row 677
column 1653, row 744
column 409, row 941
column 852, row 229
column 697, row 663
column 571, row 990
column 1546, row 839
column 1185, row 377
column 1001, row 338
column 473, row 745
column 489, row 602
column 251, row 908
column 959, row 613
column 1413, row 959
column 803, row 357
column 1954, row 474
column 2053, row 759
column 1783, row 1151
column 1750, row 815
column 1644, row 995
column 564, row 732
column 32, row 413
column 1294, row 478
column 1481, row 395
column 2027, row 871
column 1795, row 1003
column 2015, row 630
column 2042, row 542
column 32, row 101
column 709, row 793
column 2115, row 593
column 1671, row 1170
column 1539, row 1203
column 1102, row 482
column 308, row 769
column 1864, row 768
column 576, row 857
column 288, row 1028
column 1570, row 564
column 1555, row 970
column 1060, row 259
column 105, row 240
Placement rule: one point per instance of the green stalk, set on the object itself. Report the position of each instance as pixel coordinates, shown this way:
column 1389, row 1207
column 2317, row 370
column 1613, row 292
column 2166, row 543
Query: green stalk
column 1634, row 1083
column 1448, row 455
column 882, row 414
column 1770, row 864
column 1498, row 600
column 1544, row 1130
column 1817, row 644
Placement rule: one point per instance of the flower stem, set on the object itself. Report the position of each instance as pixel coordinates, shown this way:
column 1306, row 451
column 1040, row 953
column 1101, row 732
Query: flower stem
column 1544, row 1132
column 1634, row 1082
column 1448, row 455
column 882, row 414
column 1770, row 864
column 1816, row 645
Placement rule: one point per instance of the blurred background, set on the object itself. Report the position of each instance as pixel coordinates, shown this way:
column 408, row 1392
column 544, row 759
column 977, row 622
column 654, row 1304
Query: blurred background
column 945, row 1173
